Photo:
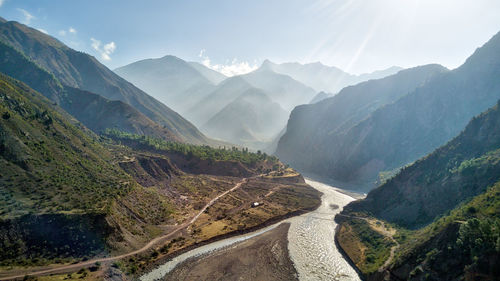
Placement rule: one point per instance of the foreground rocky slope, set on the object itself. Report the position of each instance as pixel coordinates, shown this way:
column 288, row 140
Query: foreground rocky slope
column 436, row 208
column 71, row 195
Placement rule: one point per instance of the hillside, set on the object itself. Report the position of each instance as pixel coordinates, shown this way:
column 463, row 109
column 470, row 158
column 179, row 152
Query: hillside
column 58, row 182
column 70, row 196
column 171, row 80
column 79, row 70
column 430, row 205
column 251, row 119
column 94, row 111
column 37, row 145
column 325, row 78
column 309, row 141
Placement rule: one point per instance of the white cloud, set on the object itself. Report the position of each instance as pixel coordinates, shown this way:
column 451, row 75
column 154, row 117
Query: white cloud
column 27, row 16
column 64, row 32
column 70, row 30
column 233, row 68
column 109, row 48
column 105, row 51
column 42, row 30
column 1, row 2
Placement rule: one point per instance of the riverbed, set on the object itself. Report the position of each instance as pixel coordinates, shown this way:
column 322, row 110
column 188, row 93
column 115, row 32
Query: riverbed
column 311, row 239
column 311, row 245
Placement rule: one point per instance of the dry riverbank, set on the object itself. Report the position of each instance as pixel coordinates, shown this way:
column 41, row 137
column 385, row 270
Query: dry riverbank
column 264, row 257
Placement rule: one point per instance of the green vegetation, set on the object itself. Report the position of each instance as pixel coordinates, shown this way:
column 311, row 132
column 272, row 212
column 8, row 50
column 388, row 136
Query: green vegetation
column 79, row 70
column 47, row 164
column 378, row 245
column 468, row 238
column 450, row 175
column 199, row 151
column 445, row 207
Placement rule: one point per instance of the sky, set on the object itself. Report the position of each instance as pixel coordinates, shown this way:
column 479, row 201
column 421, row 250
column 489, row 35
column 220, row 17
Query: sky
column 234, row 37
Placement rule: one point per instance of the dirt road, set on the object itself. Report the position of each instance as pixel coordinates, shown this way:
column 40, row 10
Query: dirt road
column 151, row 243
column 382, row 229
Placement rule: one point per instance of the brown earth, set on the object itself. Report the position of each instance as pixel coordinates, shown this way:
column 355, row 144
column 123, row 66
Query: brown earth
column 264, row 257
column 180, row 210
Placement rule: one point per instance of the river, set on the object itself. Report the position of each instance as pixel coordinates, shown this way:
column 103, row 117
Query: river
column 310, row 242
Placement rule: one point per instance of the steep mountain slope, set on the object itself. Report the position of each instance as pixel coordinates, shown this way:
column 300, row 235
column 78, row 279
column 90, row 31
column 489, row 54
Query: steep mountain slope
column 461, row 169
column 79, row 70
column 170, row 80
column 401, row 132
column 226, row 92
column 94, row 111
column 252, row 118
column 440, row 184
column 325, row 78
column 40, row 148
column 419, row 122
column 311, row 129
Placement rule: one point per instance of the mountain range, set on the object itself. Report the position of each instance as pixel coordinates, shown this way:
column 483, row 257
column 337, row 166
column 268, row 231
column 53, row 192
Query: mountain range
column 171, row 80
column 94, row 111
column 85, row 176
column 324, row 78
column 200, row 94
column 79, row 70
column 395, row 132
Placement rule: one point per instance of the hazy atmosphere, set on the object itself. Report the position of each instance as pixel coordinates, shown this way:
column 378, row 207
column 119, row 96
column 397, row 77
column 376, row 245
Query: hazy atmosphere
column 233, row 36
column 271, row 140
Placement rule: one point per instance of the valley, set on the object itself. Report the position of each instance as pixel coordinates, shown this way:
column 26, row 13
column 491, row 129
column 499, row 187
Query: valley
column 227, row 145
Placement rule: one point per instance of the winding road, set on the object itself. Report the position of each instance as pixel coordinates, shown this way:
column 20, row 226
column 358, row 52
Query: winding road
column 151, row 243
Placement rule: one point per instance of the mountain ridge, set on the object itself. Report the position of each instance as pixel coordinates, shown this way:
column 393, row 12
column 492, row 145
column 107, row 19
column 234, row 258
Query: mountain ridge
column 77, row 69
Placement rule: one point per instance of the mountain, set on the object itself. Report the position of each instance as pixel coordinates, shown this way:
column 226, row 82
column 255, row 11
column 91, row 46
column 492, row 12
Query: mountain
column 171, row 80
column 278, row 94
column 325, row 78
column 282, row 89
column 313, row 131
column 443, row 204
column 69, row 196
column 320, row 96
column 226, row 92
column 421, row 121
column 457, row 171
column 252, row 118
column 46, row 151
column 94, row 111
column 79, row 70
column 57, row 181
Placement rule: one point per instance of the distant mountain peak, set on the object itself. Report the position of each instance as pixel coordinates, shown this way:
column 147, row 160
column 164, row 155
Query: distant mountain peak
column 266, row 65
column 171, row 58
